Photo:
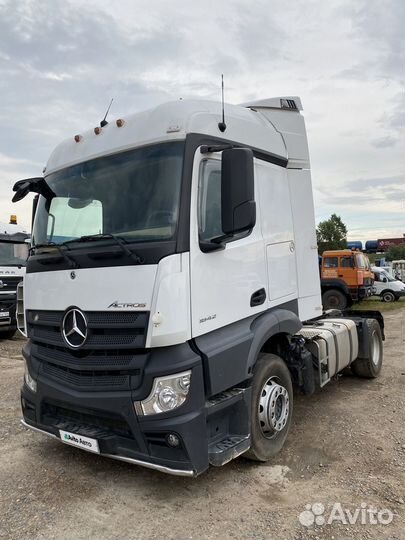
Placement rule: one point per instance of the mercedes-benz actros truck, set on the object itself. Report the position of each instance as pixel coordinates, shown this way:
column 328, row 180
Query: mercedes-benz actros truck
column 172, row 297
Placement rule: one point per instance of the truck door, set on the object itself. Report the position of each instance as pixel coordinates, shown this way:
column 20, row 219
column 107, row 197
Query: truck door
column 347, row 270
column 229, row 284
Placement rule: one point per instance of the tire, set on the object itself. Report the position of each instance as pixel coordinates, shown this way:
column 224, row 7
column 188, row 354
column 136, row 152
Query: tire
column 388, row 296
column 370, row 367
column 7, row 334
column 272, row 394
column 334, row 299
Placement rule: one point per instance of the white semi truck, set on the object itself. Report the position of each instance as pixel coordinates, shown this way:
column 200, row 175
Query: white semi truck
column 172, row 296
column 13, row 257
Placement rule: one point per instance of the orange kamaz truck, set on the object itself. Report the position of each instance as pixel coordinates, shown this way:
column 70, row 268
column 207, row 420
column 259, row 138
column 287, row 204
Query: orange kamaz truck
column 346, row 277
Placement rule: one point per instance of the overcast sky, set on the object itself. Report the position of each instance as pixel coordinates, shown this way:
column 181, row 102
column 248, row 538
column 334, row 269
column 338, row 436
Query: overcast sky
column 62, row 60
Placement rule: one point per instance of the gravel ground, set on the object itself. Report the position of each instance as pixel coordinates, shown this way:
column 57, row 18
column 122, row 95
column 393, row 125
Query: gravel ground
column 346, row 446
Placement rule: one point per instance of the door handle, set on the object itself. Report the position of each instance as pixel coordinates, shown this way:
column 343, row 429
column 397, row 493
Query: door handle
column 258, row 298
column 340, row 275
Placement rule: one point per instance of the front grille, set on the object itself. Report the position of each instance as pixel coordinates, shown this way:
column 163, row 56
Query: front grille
column 112, row 357
column 9, row 283
column 94, row 359
column 88, row 379
column 105, row 329
column 84, row 421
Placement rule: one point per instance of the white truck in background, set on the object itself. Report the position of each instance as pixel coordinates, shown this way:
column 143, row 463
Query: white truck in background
column 172, row 296
column 13, row 258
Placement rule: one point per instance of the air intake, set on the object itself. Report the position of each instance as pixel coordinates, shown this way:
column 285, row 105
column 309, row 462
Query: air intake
column 288, row 104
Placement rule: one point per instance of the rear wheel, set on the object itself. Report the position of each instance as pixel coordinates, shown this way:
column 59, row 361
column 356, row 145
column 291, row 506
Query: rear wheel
column 388, row 296
column 272, row 405
column 334, row 299
column 370, row 366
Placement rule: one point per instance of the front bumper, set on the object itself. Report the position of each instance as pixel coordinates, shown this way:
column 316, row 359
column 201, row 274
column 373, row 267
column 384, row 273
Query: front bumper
column 8, row 305
column 365, row 292
column 148, row 465
column 110, row 417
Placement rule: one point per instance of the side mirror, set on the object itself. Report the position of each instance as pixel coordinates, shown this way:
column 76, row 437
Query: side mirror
column 385, row 280
column 238, row 206
column 33, row 185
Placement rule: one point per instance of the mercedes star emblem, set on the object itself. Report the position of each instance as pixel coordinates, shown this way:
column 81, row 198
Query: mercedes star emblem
column 74, row 328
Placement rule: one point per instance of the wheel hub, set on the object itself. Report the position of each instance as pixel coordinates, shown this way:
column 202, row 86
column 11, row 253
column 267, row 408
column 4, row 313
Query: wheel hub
column 274, row 408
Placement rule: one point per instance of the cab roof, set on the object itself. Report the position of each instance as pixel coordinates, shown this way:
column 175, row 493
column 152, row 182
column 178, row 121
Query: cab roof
column 342, row 252
column 170, row 121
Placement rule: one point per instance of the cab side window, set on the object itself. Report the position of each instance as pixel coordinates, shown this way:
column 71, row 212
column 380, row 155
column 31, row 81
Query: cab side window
column 330, row 262
column 346, row 262
column 209, row 201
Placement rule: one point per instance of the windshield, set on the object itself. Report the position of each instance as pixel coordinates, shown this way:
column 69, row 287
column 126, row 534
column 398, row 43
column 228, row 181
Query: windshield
column 362, row 261
column 133, row 195
column 13, row 254
column 384, row 274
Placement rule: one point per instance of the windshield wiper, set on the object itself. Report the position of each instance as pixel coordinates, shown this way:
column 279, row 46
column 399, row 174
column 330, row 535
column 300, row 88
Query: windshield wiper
column 73, row 263
column 107, row 236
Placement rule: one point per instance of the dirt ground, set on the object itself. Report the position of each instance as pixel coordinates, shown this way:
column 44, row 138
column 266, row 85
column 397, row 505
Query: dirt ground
column 346, row 446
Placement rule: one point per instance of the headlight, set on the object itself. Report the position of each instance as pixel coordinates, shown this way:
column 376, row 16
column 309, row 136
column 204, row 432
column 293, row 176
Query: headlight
column 29, row 381
column 167, row 394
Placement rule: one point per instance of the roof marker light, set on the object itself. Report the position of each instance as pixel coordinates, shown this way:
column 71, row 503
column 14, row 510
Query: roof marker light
column 78, row 138
column 97, row 130
column 120, row 122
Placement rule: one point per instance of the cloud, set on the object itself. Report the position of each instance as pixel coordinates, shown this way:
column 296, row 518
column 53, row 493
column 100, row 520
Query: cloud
column 385, row 142
column 62, row 61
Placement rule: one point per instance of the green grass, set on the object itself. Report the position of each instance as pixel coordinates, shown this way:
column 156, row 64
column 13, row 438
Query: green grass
column 374, row 303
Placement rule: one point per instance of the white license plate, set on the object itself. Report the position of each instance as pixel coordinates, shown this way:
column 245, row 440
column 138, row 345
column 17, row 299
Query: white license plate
column 4, row 314
column 80, row 441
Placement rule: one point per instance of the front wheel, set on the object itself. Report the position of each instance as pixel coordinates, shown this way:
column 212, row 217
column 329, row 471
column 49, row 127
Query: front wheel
column 334, row 299
column 388, row 296
column 272, row 406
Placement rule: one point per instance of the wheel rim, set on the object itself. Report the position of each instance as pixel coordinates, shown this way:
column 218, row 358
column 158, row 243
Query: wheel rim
column 388, row 297
column 375, row 349
column 334, row 301
column 274, row 407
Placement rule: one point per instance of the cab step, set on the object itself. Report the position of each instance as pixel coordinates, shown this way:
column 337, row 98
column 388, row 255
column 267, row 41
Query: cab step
column 227, row 449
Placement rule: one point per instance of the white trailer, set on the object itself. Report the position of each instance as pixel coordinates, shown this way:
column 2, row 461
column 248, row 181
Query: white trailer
column 172, row 297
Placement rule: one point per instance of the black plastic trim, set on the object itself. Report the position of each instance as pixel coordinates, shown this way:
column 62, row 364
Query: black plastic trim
column 230, row 352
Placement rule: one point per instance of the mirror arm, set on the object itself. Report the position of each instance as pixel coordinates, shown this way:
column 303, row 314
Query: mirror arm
column 207, row 246
column 208, row 149
column 32, row 185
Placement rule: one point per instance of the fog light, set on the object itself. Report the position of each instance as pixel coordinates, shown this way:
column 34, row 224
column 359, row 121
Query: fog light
column 167, row 394
column 29, row 381
column 172, row 440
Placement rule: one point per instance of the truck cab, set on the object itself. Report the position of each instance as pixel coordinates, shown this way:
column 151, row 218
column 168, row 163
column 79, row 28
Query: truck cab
column 172, row 295
column 346, row 277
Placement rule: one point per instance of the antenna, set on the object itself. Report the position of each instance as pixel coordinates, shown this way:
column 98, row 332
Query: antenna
column 222, row 125
column 104, row 122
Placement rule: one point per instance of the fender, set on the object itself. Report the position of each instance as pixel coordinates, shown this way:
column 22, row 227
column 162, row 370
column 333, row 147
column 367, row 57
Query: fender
column 388, row 290
column 230, row 352
column 329, row 283
column 267, row 325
